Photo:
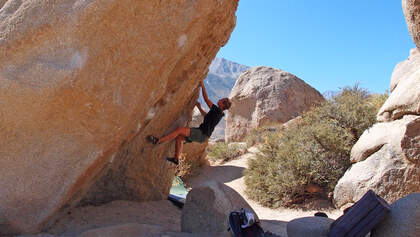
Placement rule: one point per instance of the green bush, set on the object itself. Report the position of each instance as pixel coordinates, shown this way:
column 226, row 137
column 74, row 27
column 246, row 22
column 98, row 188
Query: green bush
column 314, row 153
column 377, row 100
column 223, row 151
column 260, row 134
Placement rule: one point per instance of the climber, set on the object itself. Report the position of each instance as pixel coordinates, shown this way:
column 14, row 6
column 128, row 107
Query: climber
column 200, row 134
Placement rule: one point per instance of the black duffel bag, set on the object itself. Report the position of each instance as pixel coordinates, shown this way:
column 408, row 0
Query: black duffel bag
column 359, row 219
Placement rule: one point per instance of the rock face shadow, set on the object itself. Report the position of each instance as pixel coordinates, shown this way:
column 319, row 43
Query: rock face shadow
column 274, row 226
column 207, row 208
column 160, row 216
column 221, row 174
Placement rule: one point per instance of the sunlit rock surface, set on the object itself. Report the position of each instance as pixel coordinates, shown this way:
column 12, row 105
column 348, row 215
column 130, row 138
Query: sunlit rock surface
column 405, row 90
column 387, row 155
column 81, row 85
column 264, row 95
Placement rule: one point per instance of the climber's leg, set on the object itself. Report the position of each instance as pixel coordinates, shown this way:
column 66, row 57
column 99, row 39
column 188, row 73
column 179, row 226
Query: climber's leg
column 178, row 146
column 181, row 131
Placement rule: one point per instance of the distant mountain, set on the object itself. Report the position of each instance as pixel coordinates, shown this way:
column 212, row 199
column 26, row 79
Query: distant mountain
column 225, row 68
column 219, row 82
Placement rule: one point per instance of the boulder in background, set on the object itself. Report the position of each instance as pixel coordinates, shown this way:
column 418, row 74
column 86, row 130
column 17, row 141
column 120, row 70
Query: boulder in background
column 262, row 95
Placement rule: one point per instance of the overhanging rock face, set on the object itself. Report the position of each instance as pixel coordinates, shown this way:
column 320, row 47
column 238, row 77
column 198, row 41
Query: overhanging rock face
column 81, row 85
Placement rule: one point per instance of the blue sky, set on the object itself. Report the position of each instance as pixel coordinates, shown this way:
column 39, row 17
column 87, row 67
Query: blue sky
column 328, row 44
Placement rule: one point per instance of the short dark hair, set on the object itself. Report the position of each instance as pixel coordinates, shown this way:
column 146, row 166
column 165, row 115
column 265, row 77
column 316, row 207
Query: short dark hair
column 226, row 103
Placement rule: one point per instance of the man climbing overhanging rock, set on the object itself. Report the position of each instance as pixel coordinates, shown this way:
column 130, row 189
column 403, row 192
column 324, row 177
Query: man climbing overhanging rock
column 200, row 134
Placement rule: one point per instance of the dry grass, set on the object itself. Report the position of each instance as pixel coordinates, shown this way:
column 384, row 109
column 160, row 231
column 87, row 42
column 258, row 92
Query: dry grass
column 223, row 152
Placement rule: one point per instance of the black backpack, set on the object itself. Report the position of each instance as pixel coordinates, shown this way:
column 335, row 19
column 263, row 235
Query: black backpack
column 238, row 218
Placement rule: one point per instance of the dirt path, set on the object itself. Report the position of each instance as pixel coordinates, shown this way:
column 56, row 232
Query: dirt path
column 231, row 174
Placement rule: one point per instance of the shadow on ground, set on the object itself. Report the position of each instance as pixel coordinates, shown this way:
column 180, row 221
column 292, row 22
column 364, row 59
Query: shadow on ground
column 314, row 204
column 222, row 174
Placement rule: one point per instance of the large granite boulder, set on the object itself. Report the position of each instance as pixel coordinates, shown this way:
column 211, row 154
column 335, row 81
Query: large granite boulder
column 403, row 219
column 81, row 85
column 402, row 135
column 405, row 90
column 388, row 159
column 403, row 70
column 309, row 227
column 207, row 208
column 262, row 95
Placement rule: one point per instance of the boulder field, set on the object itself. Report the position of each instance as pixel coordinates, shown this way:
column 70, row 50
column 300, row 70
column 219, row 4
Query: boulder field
column 82, row 83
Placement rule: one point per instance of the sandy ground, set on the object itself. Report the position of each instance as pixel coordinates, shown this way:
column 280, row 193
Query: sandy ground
column 231, row 174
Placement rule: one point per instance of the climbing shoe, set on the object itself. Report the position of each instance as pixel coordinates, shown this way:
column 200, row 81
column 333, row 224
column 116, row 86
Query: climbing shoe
column 173, row 160
column 152, row 139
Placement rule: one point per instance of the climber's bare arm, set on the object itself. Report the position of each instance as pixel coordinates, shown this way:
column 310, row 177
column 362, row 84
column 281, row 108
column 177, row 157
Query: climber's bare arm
column 200, row 108
column 205, row 97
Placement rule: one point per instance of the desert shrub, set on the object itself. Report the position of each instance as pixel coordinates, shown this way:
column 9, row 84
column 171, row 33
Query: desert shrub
column 222, row 151
column 260, row 134
column 255, row 136
column 377, row 100
column 315, row 153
